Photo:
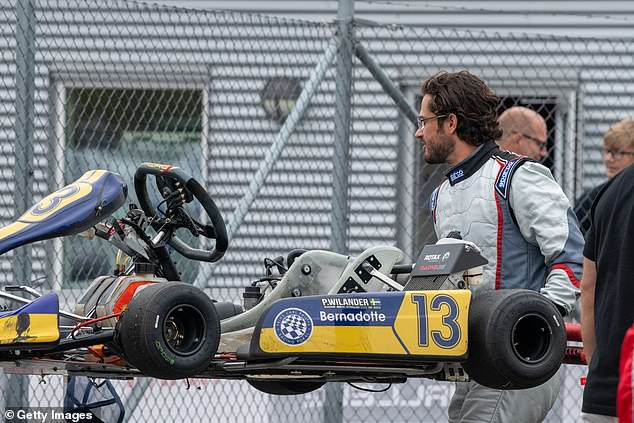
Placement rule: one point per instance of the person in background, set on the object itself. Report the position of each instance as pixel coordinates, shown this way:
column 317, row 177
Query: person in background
column 618, row 153
column 509, row 206
column 524, row 132
column 607, row 291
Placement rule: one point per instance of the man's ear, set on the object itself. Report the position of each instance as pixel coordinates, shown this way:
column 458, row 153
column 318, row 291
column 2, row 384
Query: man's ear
column 452, row 123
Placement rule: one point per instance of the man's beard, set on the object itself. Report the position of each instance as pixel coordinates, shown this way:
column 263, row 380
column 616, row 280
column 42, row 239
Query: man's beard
column 440, row 149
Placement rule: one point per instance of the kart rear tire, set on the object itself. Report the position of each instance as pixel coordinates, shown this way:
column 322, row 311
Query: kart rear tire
column 517, row 339
column 285, row 388
column 170, row 330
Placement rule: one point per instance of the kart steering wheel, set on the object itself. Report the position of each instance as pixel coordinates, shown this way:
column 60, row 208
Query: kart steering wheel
column 174, row 180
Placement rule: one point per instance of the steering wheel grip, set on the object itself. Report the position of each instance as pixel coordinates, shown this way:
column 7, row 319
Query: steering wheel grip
column 197, row 190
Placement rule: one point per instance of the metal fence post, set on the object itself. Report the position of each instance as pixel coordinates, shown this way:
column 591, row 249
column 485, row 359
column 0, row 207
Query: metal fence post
column 343, row 87
column 333, row 402
column 18, row 395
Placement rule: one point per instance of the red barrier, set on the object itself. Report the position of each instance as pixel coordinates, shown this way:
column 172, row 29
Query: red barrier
column 573, row 332
column 574, row 353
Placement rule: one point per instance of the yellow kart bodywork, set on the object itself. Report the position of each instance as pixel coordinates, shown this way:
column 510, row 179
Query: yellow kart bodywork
column 410, row 323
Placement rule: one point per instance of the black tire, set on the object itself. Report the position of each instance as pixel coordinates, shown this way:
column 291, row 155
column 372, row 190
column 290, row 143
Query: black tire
column 517, row 339
column 170, row 330
column 285, row 388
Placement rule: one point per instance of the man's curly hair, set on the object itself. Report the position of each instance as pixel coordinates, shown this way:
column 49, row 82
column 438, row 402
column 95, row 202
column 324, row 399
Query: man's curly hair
column 469, row 98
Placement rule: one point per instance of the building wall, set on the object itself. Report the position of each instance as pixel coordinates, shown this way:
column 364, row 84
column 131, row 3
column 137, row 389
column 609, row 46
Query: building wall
column 581, row 62
column 559, row 17
column 231, row 56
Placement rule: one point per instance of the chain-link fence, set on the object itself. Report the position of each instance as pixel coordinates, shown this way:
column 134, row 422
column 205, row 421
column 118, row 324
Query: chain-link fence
column 303, row 134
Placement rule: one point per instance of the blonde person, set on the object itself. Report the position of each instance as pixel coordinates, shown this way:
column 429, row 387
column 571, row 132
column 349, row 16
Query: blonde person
column 618, row 153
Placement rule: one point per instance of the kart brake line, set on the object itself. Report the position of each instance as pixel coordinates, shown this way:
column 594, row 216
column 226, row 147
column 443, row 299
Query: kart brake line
column 226, row 356
column 90, row 322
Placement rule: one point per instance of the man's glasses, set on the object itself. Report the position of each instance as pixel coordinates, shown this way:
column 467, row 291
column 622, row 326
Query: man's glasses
column 616, row 154
column 543, row 145
column 422, row 120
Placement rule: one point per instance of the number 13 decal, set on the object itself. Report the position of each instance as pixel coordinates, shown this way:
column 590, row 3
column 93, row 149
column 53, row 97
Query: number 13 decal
column 448, row 320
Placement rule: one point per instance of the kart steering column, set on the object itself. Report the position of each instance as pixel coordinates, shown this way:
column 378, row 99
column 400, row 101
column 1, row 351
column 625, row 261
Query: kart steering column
column 159, row 247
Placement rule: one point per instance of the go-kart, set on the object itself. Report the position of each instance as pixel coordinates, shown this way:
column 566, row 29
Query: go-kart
column 314, row 316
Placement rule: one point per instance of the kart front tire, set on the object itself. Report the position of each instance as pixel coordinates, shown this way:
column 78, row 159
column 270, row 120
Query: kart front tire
column 285, row 388
column 517, row 339
column 170, row 330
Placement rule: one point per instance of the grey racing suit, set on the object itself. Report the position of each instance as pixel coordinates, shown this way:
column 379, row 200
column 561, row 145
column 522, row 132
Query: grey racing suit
column 512, row 208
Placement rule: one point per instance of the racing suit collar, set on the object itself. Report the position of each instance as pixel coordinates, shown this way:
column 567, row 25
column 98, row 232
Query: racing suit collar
column 471, row 164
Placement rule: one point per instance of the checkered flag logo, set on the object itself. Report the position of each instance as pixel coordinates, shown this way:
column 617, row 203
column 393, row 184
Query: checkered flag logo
column 293, row 326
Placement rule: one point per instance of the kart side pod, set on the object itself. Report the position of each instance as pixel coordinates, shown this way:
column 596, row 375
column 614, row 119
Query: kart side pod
column 411, row 325
column 507, row 339
column 32, row 326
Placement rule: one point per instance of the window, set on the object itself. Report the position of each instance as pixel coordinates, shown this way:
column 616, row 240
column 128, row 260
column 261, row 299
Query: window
column 117, row 129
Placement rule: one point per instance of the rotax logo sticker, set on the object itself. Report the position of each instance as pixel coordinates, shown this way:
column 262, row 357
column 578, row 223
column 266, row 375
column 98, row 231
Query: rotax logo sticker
column 293, row 326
